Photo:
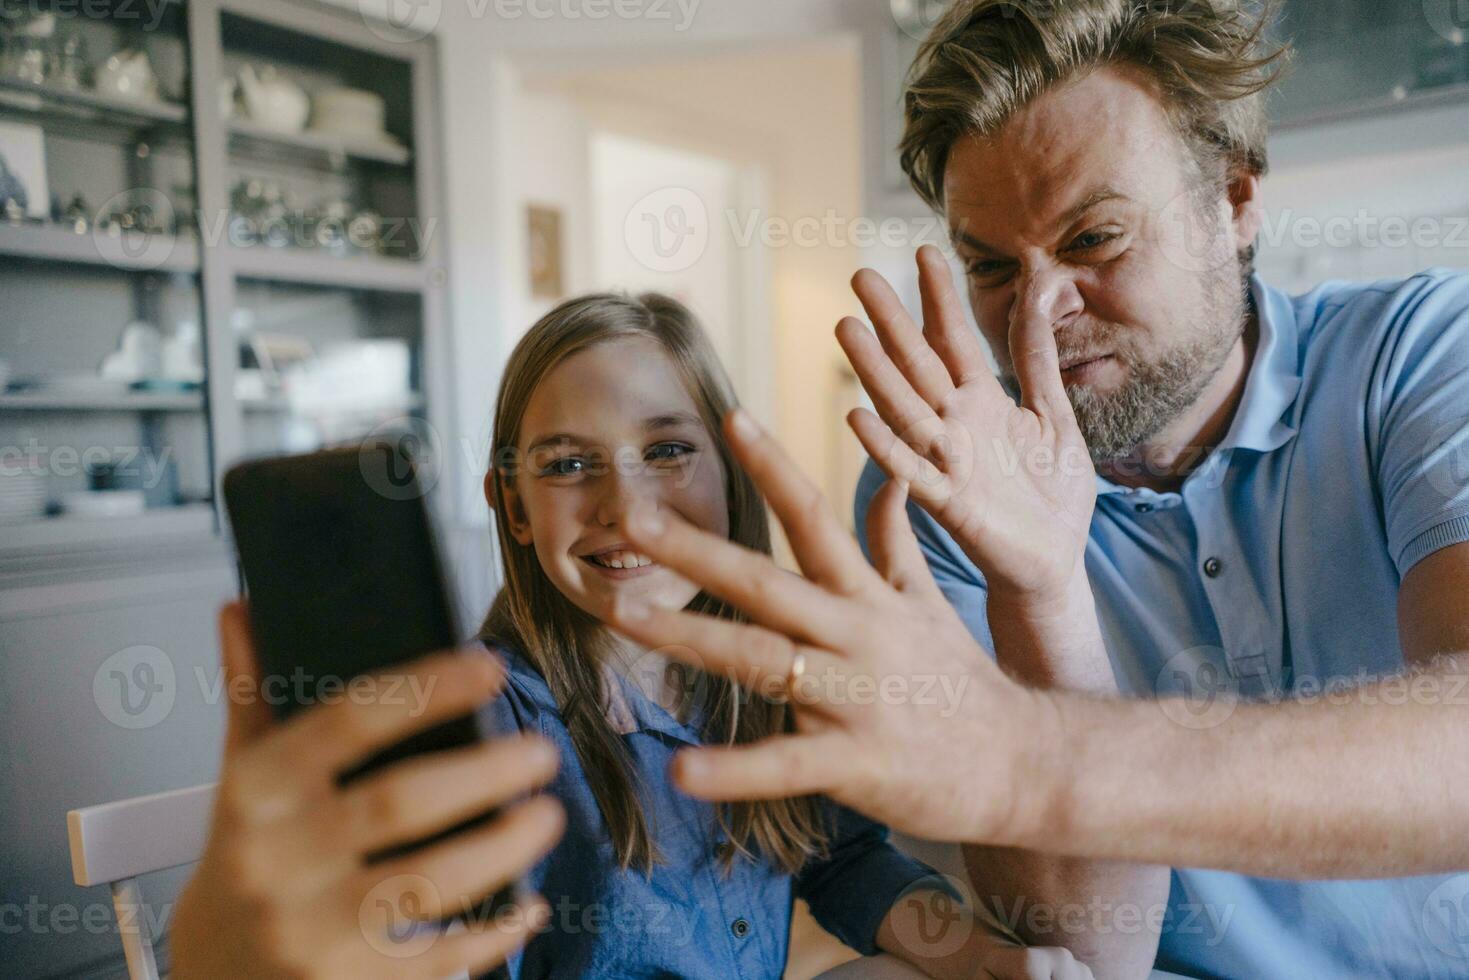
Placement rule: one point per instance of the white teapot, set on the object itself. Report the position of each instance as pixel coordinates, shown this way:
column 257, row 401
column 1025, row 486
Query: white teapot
column 128, row 74
column 273, row 101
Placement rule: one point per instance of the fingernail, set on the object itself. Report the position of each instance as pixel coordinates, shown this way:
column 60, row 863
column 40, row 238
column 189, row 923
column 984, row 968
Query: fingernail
column 689, row 765
column 487, row 661
column 647, row 520
column 743, row 425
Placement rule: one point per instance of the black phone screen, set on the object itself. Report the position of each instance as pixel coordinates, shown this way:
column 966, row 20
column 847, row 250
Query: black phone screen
column 340, row 566
column 343, row 580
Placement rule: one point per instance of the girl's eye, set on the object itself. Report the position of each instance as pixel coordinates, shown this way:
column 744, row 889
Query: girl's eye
column 667, row 451
column 565, row 466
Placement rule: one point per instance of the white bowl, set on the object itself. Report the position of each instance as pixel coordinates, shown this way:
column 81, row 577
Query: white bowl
column 104, row 503
column 348, row 112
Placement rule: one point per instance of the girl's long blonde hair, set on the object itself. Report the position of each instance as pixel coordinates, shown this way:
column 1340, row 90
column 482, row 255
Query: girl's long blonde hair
column 570, row 647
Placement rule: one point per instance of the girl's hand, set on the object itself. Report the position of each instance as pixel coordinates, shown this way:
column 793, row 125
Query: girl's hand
column 283, row 889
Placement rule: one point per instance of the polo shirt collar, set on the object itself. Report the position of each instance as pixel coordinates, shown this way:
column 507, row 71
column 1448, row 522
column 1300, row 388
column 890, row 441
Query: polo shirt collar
column 1263, row 421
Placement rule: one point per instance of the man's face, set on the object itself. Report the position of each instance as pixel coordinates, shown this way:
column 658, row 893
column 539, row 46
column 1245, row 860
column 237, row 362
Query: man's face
column 1085, row 209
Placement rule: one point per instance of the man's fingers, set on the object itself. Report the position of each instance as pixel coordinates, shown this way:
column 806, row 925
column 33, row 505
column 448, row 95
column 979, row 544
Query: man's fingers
column 247, row 718
column 756, row 658
column 1038, row 365
column 746, row 579
column 894, row 547
column 822, row 546
column 378, row 710
column 779, row 766
column 897, row 459
column 944, row 325
column 415, row 798
column 892, row 395
column 901, row 338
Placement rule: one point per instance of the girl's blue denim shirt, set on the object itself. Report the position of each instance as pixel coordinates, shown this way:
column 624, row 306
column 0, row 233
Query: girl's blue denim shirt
column 689, row 918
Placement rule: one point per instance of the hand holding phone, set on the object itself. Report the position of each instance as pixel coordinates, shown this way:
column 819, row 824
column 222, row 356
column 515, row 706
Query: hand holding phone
column 285, row 887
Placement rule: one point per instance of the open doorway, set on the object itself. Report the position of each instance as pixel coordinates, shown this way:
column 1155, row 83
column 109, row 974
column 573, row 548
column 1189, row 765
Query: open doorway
column 660, row 223
column 732, row 180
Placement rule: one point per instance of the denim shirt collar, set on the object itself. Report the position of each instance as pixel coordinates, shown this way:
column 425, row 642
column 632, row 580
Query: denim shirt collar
column 1263, row 420
column 629, row 710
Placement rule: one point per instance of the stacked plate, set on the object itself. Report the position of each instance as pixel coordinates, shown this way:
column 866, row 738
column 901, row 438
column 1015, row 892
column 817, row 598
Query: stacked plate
column 22, row 489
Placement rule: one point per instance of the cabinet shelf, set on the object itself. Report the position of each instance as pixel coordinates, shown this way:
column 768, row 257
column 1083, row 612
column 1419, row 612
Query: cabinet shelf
column 252, row 140
column 278, row 405
column 1447, row 95
column 60, row 533
column 51, row 101
column 130, row 251
column 142, row 401
column 323, row 269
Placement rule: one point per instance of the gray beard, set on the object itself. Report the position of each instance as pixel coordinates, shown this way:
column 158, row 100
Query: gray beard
column 1155, row 393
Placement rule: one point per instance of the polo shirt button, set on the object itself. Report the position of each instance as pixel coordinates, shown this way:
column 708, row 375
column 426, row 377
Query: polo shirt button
column 1212, row 567
column 723, row 850
column 1144, row 508
column 740, row 928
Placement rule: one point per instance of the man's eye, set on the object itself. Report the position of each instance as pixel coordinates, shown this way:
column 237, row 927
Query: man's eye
column 985, row 270
column 668, row 450
column 1093, row 239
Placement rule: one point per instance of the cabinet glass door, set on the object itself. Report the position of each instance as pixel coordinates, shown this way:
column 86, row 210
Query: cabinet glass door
column 1361, row 55
column 102, row 398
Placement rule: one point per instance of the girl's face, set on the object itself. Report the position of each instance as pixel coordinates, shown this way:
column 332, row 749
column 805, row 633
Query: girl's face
column 610, row 425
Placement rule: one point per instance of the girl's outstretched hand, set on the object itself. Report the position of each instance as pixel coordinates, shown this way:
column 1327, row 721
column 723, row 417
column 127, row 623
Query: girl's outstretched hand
column 283, row 888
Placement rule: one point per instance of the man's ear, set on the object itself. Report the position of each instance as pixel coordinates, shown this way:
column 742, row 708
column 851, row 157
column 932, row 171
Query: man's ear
column 1247, row 207
column 505, row 500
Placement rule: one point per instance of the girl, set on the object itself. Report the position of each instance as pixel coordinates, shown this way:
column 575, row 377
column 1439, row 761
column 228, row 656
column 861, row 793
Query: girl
column 610, row 399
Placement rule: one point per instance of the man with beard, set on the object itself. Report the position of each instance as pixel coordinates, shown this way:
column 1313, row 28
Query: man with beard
column 1216, row 537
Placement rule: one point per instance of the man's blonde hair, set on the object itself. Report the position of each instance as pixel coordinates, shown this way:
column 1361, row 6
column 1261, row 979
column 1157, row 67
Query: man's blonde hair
column 985, row 60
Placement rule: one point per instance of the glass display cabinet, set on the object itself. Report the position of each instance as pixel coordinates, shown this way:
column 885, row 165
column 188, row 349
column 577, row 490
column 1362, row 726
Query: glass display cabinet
column 220, row 237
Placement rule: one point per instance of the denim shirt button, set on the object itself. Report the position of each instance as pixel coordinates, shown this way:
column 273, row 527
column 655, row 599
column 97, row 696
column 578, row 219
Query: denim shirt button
column 740, row 928
column 723, row 850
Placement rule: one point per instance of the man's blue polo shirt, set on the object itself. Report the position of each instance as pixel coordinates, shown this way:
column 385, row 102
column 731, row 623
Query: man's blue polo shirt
column 1275, row 571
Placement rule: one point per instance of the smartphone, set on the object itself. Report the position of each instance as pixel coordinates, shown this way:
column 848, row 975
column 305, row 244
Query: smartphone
column 344, row 579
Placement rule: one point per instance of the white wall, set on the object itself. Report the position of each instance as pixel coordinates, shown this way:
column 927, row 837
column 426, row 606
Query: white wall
column 793, row 113
column 1368, row 199
column 656, row 226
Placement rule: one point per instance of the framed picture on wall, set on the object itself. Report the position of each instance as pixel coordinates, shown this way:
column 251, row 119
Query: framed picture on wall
column 544, row 228
column 23, row 190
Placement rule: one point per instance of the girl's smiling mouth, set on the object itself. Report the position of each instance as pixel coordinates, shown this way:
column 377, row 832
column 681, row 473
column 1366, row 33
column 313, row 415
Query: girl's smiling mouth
column 620, row 561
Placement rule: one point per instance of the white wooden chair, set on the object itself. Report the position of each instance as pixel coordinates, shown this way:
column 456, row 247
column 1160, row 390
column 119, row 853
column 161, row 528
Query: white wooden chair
column 114, row 843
